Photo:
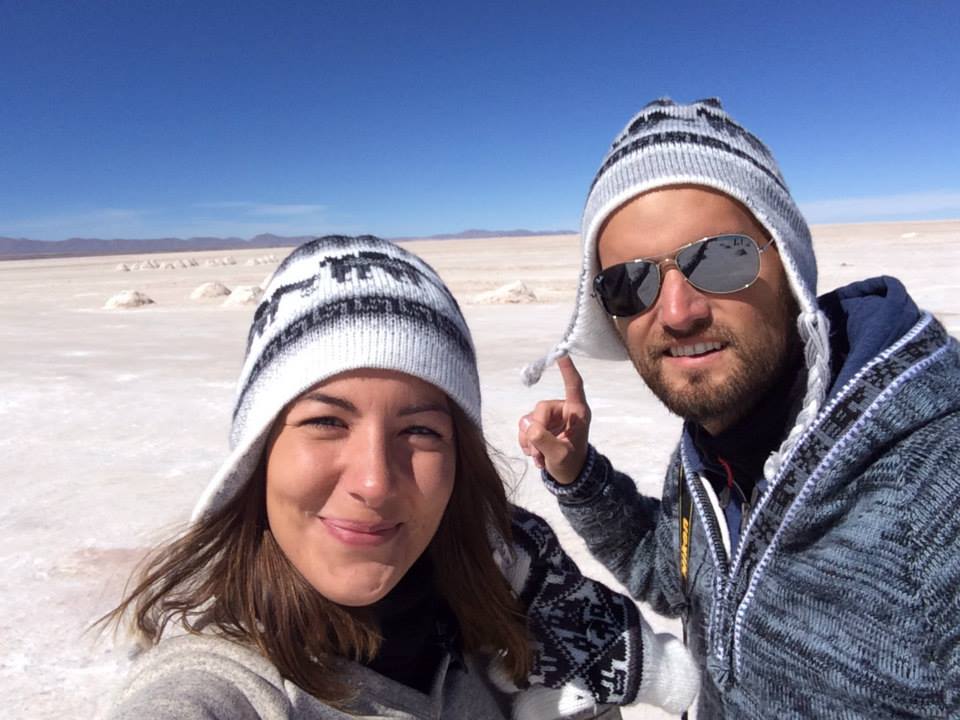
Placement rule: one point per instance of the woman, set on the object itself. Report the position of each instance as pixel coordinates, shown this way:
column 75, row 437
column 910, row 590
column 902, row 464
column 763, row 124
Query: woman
column 356, row 555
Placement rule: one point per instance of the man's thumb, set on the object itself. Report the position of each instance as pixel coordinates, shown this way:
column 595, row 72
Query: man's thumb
column 544, row 441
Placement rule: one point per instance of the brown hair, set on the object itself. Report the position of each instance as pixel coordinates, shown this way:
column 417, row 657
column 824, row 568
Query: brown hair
column 226, row 573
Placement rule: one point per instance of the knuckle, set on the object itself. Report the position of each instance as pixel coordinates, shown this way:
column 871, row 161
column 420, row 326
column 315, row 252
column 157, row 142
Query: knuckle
column 543, row 407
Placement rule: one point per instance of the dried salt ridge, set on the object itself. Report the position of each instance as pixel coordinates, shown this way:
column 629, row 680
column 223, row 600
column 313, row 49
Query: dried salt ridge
column 127, row 299
column 216, row 262
column 244, row 295
column 155, row 265
column 513, row 293
column 262, row 260
column 209, row 290
column 145, row 265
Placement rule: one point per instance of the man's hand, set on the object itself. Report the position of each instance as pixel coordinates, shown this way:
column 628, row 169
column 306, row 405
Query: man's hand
column 555, row 433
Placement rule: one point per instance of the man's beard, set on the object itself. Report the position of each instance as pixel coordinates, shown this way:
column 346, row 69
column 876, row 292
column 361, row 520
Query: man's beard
column 760, row 361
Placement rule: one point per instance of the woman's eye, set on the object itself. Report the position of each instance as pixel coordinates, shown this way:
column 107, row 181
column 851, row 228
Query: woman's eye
column 423, row 430
column 325, row 421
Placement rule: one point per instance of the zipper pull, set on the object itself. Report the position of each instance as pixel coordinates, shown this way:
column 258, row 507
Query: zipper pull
column 724, row 497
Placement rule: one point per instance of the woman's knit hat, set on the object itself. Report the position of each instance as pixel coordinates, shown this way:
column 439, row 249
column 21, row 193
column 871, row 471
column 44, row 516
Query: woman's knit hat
column 696, row 144
column 335, row 304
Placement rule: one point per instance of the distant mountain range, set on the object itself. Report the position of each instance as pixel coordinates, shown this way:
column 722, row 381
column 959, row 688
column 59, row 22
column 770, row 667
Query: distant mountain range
column 480, row 234
column 21, row 248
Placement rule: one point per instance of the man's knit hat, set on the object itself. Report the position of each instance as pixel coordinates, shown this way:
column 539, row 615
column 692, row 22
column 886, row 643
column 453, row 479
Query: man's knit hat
column 696, row 144
column 335, row 304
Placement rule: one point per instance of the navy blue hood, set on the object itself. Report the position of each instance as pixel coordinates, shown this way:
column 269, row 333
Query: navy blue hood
column 866, row 318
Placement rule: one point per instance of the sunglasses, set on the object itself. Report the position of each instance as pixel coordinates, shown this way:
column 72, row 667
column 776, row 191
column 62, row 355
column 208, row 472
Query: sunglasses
column 719, row 265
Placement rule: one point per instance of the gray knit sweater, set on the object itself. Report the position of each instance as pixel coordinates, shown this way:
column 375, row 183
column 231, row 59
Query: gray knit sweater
column 208, row 678
column 843, row 597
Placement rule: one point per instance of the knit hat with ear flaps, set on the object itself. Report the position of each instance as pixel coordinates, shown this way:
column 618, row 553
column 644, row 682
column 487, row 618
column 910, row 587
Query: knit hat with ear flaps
column 697, row 144
column 335, row 304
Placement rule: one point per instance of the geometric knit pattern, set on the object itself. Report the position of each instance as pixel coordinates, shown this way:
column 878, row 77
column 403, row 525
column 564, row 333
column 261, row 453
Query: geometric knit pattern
column 586, row 635
column 335, row 304
column 842, row 600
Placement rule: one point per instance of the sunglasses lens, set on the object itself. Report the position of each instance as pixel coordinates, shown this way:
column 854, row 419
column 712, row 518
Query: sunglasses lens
column 722, row 264
column 628, row 288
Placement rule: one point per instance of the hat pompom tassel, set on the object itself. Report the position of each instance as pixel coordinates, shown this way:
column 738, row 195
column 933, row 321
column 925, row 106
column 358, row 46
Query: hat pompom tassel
column 532, row 373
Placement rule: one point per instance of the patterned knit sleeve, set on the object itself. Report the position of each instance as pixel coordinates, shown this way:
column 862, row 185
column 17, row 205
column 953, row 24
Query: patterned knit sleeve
column 633, row 535
column 590, row 642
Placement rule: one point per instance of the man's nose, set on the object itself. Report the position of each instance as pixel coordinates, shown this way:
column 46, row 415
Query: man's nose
column 681, row 306
column 369, row 473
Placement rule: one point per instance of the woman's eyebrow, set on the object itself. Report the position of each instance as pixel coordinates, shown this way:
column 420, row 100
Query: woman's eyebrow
column 318, row 396
column 425, row 407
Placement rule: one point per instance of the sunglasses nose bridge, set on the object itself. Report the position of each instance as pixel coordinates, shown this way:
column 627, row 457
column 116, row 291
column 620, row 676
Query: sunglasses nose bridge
column 666, row 263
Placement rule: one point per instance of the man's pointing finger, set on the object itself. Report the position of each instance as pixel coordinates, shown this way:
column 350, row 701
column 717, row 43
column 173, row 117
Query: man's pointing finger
column 572, row 382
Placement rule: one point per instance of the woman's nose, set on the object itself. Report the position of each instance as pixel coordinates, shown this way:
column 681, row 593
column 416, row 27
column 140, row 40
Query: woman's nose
column 369, row 471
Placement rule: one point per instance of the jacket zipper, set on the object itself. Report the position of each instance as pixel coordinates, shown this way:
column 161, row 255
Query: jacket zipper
column 704, row 501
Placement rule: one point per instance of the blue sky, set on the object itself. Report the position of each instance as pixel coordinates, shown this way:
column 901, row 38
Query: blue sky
column 168, row 118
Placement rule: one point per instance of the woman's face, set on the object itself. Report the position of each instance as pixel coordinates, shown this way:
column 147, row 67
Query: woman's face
column 359, row 472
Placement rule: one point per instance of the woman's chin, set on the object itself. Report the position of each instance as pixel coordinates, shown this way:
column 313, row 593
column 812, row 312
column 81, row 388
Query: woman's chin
column 359, row 589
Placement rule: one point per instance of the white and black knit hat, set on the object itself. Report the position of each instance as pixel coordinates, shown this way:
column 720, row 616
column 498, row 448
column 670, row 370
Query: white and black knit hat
column 696, row 144
column 335, row 304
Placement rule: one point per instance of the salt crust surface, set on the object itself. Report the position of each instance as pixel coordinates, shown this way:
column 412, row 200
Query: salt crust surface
column 114, row 421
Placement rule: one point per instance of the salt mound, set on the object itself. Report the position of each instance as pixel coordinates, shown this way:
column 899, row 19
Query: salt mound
column 516, row 292
column 210, row 289
column 251, row 261
column 244, row 295
column 123, row 267
column 169, row 266
column 228, row 260
column 127, row 299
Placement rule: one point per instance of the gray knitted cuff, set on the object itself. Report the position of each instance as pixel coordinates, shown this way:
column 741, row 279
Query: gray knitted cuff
column 589, row 483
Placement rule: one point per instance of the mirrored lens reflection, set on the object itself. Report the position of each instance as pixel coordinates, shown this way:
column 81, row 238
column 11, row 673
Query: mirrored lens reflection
column 721, row 264
column 629, row 288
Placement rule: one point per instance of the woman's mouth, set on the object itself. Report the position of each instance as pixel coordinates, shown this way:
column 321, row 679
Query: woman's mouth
column 351, row 532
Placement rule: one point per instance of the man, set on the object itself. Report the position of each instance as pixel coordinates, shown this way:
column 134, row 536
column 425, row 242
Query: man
column 809, row 526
